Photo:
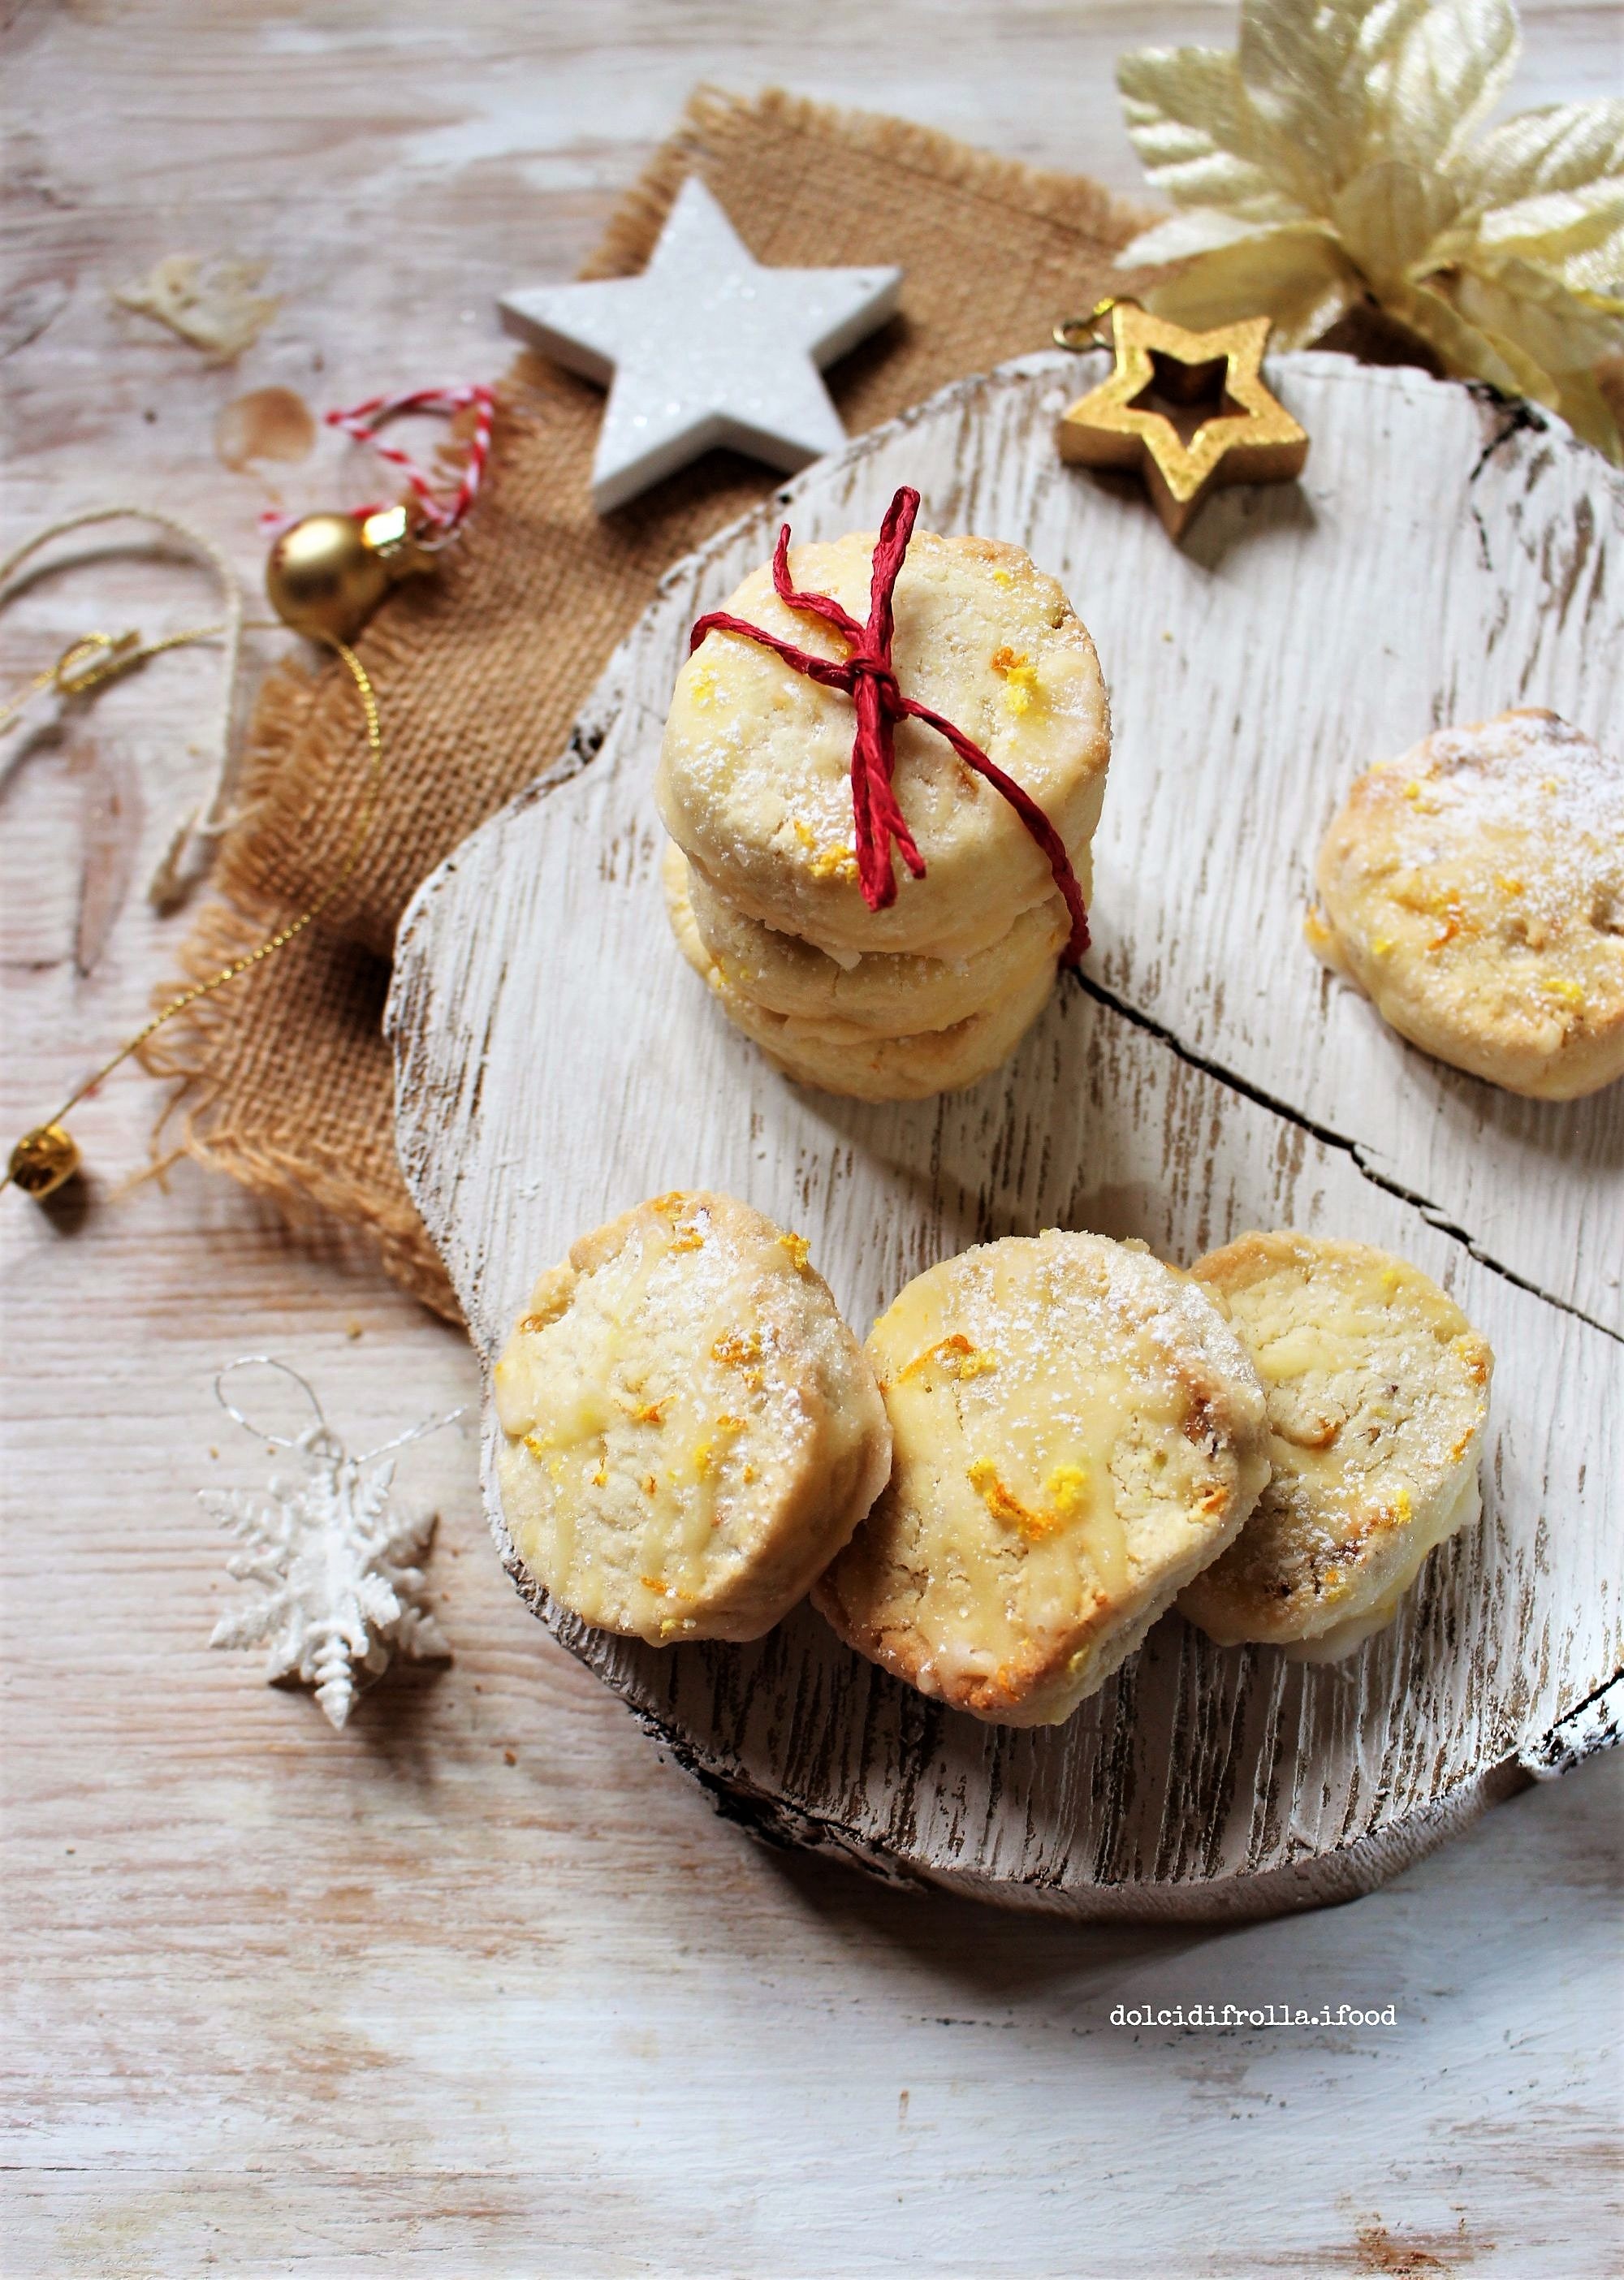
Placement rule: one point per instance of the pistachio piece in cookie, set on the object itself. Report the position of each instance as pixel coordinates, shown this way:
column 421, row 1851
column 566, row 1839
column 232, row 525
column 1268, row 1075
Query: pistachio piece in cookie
column 1474, row 889
column 1077, row 1432
column 690, row 1432
column 1378, row 1392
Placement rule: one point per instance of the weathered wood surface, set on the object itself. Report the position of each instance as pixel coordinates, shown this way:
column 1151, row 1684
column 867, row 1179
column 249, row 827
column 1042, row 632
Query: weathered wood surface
column 279, row 2001
column 536, row 983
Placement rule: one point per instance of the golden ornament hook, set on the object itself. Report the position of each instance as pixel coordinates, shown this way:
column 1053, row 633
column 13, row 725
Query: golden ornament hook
column 1080, row 333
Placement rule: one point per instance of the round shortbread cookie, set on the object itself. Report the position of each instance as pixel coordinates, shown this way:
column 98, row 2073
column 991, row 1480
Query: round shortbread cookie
column 892, row 993
column 1076, row 1431
column 755, row 771
column 839, row 1057
column 1474, row 890
column 692, row 1431
column 1378, row 1391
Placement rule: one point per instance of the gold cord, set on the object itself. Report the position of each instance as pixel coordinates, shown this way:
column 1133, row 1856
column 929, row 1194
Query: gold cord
column 99, row 657
column 283, row 935
column 95, row 658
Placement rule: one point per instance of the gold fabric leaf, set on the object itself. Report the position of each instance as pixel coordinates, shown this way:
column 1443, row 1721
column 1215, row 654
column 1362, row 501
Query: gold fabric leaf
column 1450, row 68
column 1466, row 347
column 1197, row 135
column 1298, row 278
column 1566, row 147
column 1186, row 234
column 1520, row 304
column 1338, row 154
column 1391, row 215
column 1586, row 408
column 1576, row 234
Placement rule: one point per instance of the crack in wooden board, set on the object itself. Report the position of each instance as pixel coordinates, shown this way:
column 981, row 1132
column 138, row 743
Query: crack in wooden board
column 539, row 1014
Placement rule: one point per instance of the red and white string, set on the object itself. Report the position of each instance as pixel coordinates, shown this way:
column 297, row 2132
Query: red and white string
column 440, row 517
column 362, row 421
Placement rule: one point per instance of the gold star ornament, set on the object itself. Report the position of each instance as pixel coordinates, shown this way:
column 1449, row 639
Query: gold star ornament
column 1188, row 411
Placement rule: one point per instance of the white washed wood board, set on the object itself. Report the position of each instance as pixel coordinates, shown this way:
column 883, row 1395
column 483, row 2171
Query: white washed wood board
column 1445, row 556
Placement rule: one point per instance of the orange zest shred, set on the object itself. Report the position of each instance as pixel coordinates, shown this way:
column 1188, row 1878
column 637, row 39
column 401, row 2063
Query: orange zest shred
column 1019, row 675
column 1004, row 1505
column 956, row 1355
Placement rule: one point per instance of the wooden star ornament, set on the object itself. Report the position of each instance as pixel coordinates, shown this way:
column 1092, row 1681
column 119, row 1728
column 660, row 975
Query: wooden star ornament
column 1217, row 423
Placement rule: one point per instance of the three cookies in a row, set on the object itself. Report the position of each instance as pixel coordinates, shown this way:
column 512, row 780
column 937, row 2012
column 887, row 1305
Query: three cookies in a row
column 1047, row 1441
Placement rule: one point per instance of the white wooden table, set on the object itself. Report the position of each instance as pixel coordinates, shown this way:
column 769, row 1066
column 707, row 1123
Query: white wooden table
column 482, row 1983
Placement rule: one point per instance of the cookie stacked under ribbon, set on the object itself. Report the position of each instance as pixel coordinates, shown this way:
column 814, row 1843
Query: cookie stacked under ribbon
column 926, row 982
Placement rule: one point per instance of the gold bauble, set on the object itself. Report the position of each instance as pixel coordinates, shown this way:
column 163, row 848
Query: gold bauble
column 45, row 1159
column 323, row 578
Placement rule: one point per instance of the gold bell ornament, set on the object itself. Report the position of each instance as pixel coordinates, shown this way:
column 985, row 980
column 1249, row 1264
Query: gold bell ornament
column 327, row 573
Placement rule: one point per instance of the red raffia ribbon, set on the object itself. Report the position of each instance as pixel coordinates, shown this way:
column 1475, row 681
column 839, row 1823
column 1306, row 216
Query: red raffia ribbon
column 866, row 676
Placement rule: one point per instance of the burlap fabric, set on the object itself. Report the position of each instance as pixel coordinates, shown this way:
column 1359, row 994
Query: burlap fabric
column 481, row 670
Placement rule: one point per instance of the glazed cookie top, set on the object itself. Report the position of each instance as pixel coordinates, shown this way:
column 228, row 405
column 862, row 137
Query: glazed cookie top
column 692, row 1431
column 1378, row 1392
column 1076, row 1431
column 754, row 779
column 1474, row 889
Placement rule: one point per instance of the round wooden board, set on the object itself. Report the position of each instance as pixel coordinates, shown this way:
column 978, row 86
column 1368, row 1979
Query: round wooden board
column 1444, row 556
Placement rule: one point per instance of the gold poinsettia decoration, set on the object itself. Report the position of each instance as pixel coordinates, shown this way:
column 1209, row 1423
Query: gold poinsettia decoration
column 1334, row 157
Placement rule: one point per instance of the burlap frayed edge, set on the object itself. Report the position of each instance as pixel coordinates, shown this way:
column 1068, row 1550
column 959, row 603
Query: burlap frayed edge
column 307, row 1193
column 1069, row 201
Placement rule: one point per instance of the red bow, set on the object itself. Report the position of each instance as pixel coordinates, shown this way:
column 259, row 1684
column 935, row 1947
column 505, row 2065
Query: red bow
column 866, row 676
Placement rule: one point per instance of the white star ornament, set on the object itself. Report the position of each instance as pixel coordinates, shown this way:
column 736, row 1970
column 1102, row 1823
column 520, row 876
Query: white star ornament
column 706, row 347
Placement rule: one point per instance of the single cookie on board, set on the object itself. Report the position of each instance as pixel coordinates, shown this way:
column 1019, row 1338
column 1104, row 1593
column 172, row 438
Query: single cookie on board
column 1077, row 1432
column 691, row 1432
column 893, row 993
column 755, row 772
column 1474, row 890
column 839, row 1057
column 1378, row 1392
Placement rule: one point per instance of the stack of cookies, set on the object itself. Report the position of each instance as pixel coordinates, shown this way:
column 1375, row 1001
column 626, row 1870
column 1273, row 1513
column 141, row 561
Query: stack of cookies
column 932, row 992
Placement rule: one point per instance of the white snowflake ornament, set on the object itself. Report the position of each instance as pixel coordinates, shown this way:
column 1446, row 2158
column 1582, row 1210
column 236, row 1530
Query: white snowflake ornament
column 340, row 1588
